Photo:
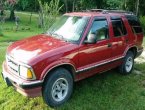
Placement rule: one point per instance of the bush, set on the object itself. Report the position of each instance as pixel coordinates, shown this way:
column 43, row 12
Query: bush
column 1, row 34
column 48, row 13
column 142, row 21
column 2, row 21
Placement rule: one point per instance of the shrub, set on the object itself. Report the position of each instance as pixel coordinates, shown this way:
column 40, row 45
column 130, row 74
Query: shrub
column 142, row 21
column 1, row 34
column 1, row 22
column 48, row 13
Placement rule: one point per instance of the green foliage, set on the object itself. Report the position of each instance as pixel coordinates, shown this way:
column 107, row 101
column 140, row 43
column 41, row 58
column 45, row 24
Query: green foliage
column 2, row 21
column 114, row 4
column 1, row 34
column 77, row 5
column 142, row 21
column 90, row 4
column 48, row 13
column 11, row 5
column 24, row 3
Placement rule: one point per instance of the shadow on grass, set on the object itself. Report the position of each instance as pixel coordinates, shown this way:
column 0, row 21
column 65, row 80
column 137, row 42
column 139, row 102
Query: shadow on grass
column 108, row 91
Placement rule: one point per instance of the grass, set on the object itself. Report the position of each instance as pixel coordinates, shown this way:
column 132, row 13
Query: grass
column 106, row 91
column 25, row 29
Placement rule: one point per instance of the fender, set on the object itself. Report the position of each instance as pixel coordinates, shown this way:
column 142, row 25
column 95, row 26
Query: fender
column 129, row 47
column 56, row 64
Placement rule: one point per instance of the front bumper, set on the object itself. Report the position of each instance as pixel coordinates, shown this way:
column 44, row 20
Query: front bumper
column 26, row 88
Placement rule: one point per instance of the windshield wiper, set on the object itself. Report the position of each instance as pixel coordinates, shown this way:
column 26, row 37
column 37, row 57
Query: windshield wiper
column 58, row 35
column 49, row 33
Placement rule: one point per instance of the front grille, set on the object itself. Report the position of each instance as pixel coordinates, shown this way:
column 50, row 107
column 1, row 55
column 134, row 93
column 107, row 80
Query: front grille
column 12, row 65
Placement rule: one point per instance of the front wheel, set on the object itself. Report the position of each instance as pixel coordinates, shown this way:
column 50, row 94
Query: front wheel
column 58, row 87
column 127, row 64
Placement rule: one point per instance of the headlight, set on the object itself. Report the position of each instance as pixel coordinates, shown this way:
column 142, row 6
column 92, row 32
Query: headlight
column 26, row 72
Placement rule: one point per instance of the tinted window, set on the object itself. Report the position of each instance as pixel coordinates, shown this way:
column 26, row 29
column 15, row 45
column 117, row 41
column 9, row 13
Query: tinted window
column 134, row 23
column 100, row 29
column 118, row 27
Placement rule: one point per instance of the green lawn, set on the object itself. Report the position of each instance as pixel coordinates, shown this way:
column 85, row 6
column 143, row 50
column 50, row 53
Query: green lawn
column 107, row 91
column 25, row 29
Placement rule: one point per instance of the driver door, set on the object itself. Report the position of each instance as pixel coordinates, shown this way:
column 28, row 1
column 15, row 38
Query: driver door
column 91, row 54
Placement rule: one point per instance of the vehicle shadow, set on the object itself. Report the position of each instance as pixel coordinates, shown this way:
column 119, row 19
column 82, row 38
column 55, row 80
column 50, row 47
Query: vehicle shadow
column 103, row 91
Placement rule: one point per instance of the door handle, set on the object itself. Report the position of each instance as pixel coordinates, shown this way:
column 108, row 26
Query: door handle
column 127, row 40
column 109, row 44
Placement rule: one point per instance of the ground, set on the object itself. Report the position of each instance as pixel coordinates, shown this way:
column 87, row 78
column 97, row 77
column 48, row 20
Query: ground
column 106, row 91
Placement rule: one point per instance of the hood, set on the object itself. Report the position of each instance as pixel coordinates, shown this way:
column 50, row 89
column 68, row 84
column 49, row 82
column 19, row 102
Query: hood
column 29, row 48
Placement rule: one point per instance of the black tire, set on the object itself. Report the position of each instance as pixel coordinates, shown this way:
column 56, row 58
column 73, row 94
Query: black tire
column 123, row 68
column 52, row 85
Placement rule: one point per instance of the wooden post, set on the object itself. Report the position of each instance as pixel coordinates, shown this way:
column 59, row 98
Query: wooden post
column 17, row 19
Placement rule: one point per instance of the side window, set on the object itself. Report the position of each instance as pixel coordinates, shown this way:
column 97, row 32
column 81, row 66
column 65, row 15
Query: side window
column 118, row 27
column 99, row 29
column 134, row 23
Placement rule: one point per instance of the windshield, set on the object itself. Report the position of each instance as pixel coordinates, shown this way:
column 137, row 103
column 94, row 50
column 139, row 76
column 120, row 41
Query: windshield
column 69, row 28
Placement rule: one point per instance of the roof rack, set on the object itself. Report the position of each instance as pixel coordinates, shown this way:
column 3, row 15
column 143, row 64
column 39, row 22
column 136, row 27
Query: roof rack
column 96, row 10
column 110, row 11
column 118, row 11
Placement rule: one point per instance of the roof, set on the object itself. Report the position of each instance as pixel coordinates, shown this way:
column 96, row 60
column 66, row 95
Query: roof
column 100, row 12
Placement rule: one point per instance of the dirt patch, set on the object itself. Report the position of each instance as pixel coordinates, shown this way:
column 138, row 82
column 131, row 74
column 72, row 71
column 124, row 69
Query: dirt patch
column 141, row 58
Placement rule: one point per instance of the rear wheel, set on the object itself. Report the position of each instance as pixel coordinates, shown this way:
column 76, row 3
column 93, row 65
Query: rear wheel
column 58, row 87
column 127, row 64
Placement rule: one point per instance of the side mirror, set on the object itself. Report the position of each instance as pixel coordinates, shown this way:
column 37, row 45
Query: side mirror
column 91, row 39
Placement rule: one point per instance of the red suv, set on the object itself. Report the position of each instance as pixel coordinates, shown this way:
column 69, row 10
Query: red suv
column 77, row 46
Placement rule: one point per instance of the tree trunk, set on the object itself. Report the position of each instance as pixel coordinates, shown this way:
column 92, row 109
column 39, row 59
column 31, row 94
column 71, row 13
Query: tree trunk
column 2, row 12
column 137, row 8
column 73, row 6
column 12, row 15
column 66, row 5
column 1, row 8
column 124, row 5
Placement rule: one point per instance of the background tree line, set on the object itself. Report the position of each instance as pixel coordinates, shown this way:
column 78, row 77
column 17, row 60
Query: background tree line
column 137, row 6
column 77, row 5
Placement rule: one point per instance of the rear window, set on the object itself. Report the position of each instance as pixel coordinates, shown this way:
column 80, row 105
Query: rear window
column 135, row 24
column 118, row 26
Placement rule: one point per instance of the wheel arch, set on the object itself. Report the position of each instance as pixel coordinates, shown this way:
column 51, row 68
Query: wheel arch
column 133, row 49
column 67, row 66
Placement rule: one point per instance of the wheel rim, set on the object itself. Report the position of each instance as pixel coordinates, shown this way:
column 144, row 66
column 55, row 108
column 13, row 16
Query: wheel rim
column 129, row 64
column 59, row 89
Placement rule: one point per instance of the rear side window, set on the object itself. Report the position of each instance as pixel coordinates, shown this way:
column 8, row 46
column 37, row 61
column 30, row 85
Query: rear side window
column 135, row 24
column 118, row 27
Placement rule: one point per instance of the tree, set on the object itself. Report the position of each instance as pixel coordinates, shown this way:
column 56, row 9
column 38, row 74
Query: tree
column 1, row 8
column 141, row 7
column 24, row 3
column 66, row 5
column 114, row 4
column 73, row 8
column 48, row 13
column 2, row 17
column 12, row 6
column 137, row 7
